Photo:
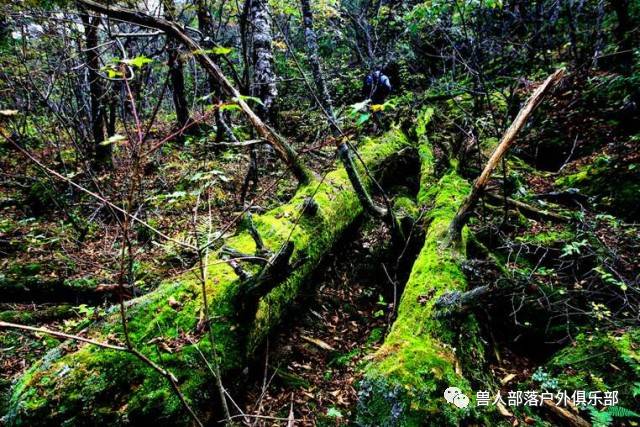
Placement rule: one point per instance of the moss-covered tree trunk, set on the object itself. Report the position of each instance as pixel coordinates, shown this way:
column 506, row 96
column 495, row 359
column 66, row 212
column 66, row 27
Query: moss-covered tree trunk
column 422, row 355
column 84, row 384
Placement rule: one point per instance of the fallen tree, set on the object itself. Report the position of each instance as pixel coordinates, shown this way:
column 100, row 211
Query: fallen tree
column 422, row 354
column 87, row 384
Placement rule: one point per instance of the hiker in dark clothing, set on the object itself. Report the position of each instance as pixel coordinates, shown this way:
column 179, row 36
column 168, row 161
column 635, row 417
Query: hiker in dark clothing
column 376, row 87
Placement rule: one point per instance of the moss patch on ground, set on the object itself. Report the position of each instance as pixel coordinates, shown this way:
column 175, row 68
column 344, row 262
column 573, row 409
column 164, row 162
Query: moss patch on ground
column 601, row 362
column 615, row 183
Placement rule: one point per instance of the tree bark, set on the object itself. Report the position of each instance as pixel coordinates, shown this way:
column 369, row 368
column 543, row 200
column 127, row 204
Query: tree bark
column 264, row 77
column 205, row 25
column 282, row 148
column 622, row 33
column 176, row 75
column 101, row 153
column 176, row 71
column 314, row 60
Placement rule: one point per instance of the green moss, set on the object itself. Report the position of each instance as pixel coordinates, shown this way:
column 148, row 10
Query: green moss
column 601, row 361
column 549, row 238
column 28, row 317
column 573, row 180
column 404, row 384
column 614, row 183
column 92, row 385
column 405, row 207
column 427, row 170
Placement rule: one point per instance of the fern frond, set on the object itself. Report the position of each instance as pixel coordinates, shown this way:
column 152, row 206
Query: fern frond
column 622, row 412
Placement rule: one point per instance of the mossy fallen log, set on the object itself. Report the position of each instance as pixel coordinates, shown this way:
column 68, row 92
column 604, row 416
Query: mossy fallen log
column 422, row 355
column 84, row 384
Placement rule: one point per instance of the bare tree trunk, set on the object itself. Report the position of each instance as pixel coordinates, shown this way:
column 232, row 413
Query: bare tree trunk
column 101, row 153
column 263, row 82
column 507, row 140
column 622, row 33
column 205, row 25
column 176, row 70
column 176, row 76
column 314, row 59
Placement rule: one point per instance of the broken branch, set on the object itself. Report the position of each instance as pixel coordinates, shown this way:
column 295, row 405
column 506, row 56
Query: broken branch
column 506, row 142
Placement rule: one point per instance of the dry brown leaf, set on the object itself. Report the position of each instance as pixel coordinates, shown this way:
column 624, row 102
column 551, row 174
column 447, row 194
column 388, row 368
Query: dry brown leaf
column 503, row 410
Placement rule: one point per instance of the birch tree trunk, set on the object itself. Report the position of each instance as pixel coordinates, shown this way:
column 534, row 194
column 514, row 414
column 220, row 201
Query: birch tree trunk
column 311, row 40
column 264, row 78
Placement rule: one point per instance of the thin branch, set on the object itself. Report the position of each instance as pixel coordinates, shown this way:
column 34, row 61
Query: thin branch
column 9, row 325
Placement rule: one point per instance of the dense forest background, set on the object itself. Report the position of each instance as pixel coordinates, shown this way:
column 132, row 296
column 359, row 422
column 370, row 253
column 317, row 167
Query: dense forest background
column 205, row 218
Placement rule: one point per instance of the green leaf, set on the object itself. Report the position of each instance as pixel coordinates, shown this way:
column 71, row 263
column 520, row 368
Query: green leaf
column 622, row 412
column 221, row 176
column 114, row 74
column 334, row 413
column 221, row 50
column 363, row 118
column 229, row 107
column 218, row 50
column 635, row 391
column 250, row 98
column 600, row 418
column 138, row 61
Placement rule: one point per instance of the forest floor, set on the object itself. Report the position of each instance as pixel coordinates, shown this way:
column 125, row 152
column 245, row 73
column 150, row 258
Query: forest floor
column 312, row 362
